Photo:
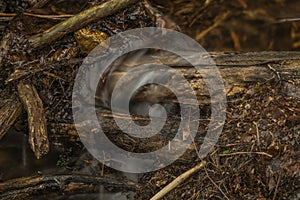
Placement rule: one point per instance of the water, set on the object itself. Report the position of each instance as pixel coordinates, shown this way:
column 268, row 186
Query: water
column 18, row 160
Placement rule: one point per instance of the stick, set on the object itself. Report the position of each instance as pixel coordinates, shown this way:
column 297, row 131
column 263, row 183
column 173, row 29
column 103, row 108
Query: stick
column 48, row 16
column 180, row 179
column 241, row 153
column 80, row 20
column 8, row 14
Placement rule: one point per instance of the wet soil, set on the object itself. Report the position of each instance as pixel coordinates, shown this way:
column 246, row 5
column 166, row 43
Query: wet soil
column 258, row 153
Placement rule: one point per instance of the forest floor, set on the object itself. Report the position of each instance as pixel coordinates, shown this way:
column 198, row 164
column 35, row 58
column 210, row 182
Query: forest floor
column 257, row 156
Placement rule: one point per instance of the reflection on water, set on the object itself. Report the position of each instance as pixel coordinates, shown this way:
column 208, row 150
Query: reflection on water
column 18, row 160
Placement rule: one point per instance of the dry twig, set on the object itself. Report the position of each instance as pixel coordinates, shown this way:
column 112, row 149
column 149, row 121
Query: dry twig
column 47, row 16
column 180, row 179
column 240, row 153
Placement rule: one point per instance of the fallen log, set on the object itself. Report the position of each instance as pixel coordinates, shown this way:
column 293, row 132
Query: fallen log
column 64, row 184
column 238, row 71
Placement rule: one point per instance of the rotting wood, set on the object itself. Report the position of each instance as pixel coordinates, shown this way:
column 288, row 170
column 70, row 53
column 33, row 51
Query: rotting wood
column 38, row 136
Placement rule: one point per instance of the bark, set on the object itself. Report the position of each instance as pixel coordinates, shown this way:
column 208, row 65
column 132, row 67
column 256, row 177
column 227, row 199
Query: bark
column 38, row 136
